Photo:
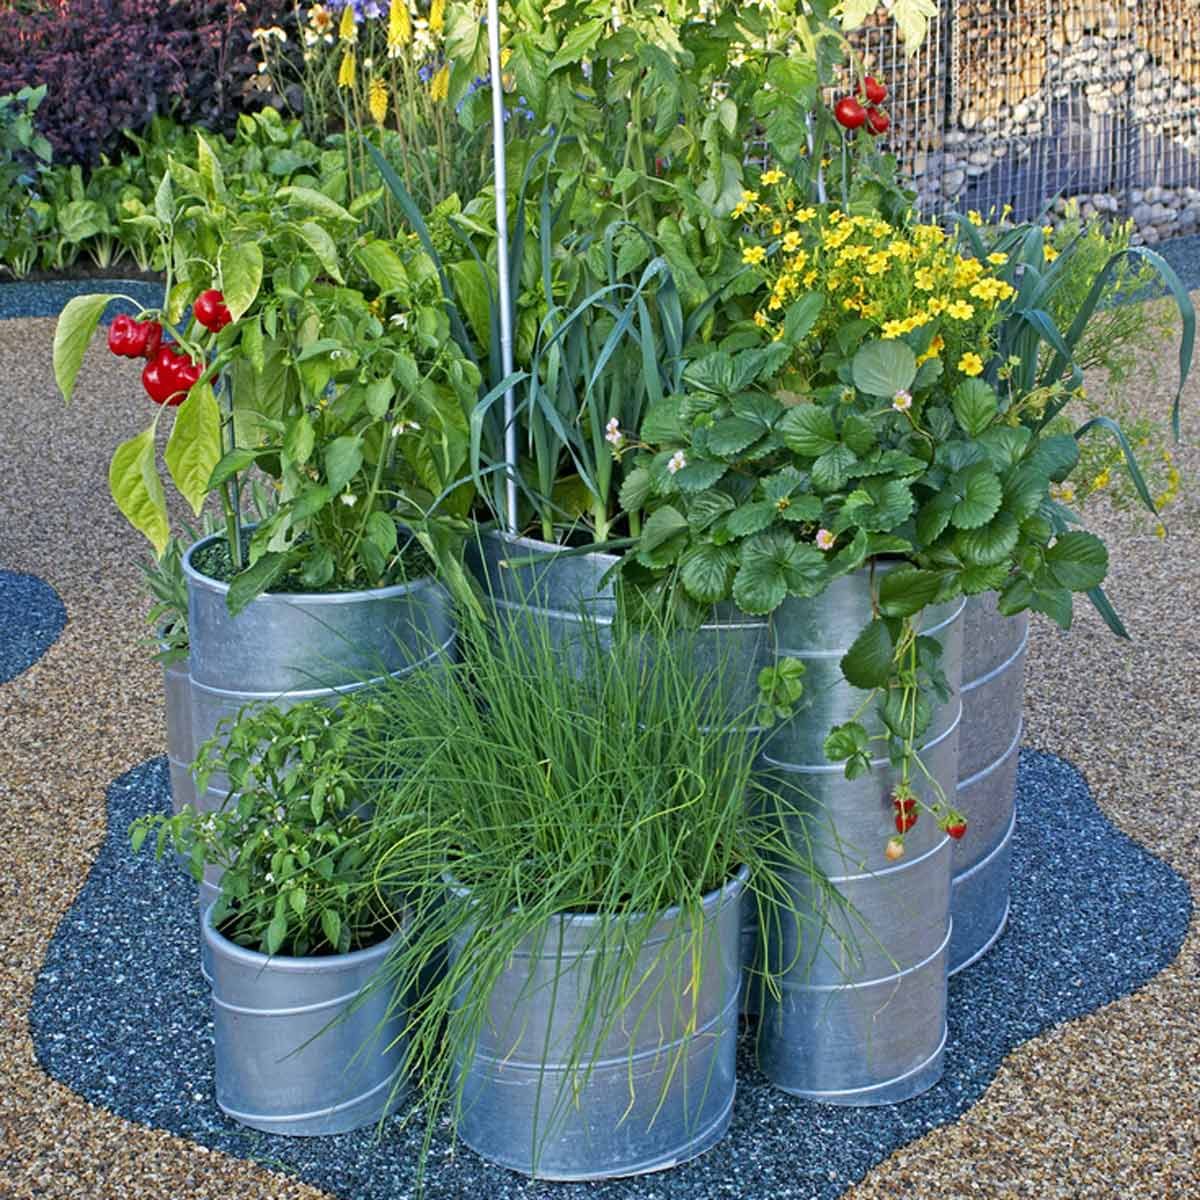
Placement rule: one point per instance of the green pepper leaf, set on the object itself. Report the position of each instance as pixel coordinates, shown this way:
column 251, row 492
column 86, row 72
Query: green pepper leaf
column 194, row 447
column 76, row 324
column 137, row 489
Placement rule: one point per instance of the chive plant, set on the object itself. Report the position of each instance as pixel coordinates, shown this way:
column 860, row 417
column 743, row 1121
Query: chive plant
column 513, row 791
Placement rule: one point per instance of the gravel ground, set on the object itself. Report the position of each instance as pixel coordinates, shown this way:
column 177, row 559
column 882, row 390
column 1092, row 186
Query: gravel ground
column 1104, row 1105
column 120, row 1013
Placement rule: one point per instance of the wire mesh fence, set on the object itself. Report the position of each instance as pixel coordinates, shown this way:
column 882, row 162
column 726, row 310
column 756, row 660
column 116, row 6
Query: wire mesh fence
column 1029, row 104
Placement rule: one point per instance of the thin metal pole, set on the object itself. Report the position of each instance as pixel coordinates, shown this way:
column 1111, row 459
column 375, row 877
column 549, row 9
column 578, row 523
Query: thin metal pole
column 505, row 289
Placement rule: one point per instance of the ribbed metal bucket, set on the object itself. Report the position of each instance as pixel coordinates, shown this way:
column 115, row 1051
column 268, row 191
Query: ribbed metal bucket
column 862, row 1015
column 623, row 1110
column 295, row 1054
column 285, row 648
column 993, row 696
column 177, row 688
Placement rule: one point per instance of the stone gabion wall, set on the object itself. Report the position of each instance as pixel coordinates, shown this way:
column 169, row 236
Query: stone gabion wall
column 1017, row 102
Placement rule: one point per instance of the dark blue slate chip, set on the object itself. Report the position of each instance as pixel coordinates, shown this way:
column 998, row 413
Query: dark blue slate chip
column 47, row 299
column 31, row 618
column 120, row 1015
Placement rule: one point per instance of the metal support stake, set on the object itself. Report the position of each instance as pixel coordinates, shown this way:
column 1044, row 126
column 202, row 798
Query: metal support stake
column 505, row 288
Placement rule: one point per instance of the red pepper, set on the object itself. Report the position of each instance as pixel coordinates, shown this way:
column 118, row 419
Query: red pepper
column 877, row 121
column 134, row 339
column 169, row 376
column 210, row 310
column 849, row 113
column 875, row 91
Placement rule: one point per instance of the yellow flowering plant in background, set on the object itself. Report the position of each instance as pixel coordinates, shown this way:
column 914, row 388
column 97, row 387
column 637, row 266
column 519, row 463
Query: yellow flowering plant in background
column 376, row 71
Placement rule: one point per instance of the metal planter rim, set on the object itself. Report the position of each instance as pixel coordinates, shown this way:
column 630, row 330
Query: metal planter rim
column 585, row 923
column 199, row 579
column 309, row 965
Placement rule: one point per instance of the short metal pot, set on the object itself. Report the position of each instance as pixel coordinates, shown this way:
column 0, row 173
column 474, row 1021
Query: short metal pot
column 304, row 1046
column 620, row 1110
column 289, row 647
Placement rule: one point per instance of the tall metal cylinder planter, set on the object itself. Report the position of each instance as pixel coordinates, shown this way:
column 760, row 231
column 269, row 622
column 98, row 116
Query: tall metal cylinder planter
column 993, row 696
column 649, row 1094
column 304, row 1046
column 861, row 1019
column 177, row 689
column 285, row 648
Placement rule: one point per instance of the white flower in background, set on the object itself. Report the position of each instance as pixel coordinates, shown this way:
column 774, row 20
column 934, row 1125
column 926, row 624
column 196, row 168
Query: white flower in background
column 902, row 400
column 349, row 499
column 677, row 463
column 613, row 435
column 403, row 427
column 399, row 320
column 825, row 539
column 270, row 876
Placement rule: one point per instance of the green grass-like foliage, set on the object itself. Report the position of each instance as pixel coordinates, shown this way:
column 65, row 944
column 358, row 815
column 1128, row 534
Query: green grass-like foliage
column 542, row 780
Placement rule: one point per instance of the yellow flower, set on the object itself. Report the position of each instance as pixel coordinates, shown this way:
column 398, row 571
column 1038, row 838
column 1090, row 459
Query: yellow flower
column 1050, row 253
column 739, row 210
column 749, row 197
column 967, row 271
column 791, row 242
column 971, row 364
column 439, row 87
column 937, row 305
column 772, row 176
column 377, row 100
column 1048, row 230
column 935, row 348
column 805, row 214
column 998, row 259
column 437, row 16
column 974, row 217
column 894, row 329
column 877, row 264
column 1160, row 531
column 753, row 255
column 960, row 310
column 1102, row 480
column 347, row 30
column 399, row 32
column 776, row 227
column 810, row 279
column 345, row 77
column 760, row 319
column 923, row 278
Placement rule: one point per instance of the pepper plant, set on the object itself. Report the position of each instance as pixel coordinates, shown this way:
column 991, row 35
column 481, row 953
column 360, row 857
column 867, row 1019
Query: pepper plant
column 320, row 357
column 289, row 836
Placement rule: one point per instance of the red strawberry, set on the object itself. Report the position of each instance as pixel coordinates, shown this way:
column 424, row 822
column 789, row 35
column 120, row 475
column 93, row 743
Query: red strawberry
column 956, row 829
column 905, row 821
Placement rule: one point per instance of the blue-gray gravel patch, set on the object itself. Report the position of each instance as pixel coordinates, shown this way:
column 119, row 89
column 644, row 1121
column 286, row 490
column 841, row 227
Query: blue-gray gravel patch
column 120, row 1014
column 31, row 617
column 47, row 298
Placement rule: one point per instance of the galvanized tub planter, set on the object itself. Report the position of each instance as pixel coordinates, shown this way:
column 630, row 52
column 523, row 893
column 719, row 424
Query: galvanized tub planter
column 177, row 688
column 285, row 648
column 649, row 1094
column 993, row 696
column 566, row 590
column 304, row 1046
column 861, row 1018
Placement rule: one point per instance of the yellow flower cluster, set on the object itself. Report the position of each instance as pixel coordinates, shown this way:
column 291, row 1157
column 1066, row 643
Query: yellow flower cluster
column 901, row 279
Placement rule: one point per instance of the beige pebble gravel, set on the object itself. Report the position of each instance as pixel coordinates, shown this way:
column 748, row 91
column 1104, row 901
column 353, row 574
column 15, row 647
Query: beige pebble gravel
column 1105, row 1106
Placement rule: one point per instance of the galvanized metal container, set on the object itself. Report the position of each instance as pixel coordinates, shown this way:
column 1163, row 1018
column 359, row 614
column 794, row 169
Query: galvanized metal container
column 304, row 1046
column 623, row 1109
column 993, row 696
column 288, row 647
column 862, row 1015
column 177, row 688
